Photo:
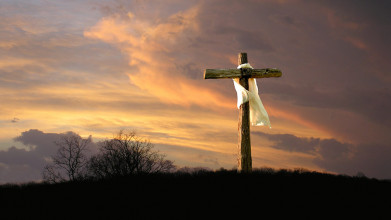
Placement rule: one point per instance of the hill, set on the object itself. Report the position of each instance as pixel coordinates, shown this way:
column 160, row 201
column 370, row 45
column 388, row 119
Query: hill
column 204, row 194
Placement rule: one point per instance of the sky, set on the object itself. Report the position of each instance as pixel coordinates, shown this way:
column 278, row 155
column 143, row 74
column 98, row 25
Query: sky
column 96, row 67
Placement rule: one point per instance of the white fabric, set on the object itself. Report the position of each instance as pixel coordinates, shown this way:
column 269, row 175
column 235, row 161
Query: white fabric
column 258, row 114
column 245, row 65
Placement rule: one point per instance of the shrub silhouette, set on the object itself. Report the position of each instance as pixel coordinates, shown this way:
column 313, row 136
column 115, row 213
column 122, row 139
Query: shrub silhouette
column 70, row 161
column 127, row 154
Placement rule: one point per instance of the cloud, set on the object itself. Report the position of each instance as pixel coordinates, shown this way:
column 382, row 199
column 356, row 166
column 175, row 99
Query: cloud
column 160, row 52
column 369, row 102
column 335, row 156
column 38, row 140
column 21, row 165
column 291, row 143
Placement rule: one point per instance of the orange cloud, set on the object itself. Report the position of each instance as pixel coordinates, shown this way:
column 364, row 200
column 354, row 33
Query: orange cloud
column 11, row 62
column 292, row 117
column 148, row 47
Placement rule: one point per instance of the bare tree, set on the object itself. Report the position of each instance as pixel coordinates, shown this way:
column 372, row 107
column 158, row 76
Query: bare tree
column 70, row 161
column 127, row 154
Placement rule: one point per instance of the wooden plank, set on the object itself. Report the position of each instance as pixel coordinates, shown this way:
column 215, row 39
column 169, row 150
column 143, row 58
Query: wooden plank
column 244, row 143
column 266, row 73
column 237, row 73
column 221, row 73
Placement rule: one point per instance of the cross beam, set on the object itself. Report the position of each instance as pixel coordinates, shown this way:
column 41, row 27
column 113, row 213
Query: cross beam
column 244, row 143
column 239, row 73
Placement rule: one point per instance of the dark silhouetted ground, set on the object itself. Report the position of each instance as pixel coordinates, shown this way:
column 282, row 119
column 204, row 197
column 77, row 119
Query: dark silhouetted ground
column 264, row 194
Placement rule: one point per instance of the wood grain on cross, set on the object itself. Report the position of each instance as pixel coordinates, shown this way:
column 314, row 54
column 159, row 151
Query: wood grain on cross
column 244, row 143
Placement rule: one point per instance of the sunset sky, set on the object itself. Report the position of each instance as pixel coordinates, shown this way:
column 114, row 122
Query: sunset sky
column 94, row 67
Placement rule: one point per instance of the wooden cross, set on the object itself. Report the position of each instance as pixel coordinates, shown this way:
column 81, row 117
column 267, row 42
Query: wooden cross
column 244, row 144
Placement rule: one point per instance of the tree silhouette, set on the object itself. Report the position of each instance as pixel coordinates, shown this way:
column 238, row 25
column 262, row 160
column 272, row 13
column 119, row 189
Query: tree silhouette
column 127, row 154
column 70, row 161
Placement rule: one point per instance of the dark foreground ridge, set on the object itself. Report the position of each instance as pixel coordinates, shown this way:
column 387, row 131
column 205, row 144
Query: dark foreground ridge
column 200, row 195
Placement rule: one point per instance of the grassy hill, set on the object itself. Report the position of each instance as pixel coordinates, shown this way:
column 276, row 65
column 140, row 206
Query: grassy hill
column 201, row 195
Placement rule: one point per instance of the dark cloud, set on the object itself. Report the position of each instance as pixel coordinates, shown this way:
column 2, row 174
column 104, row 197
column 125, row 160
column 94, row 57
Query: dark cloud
column 325, row 149
column 371, row 103
column 369, row 11
column 248, row 40
column 288, row 20
column 14, row 156
column 21, row 165
column 372, row 160
column 331, row 149
column 291, row 143
column 335, row 156
column 38, row 141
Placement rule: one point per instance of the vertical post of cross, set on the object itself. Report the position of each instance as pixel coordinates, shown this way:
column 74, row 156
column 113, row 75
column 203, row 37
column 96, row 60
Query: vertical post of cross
column 243, row 74
column 244, row 143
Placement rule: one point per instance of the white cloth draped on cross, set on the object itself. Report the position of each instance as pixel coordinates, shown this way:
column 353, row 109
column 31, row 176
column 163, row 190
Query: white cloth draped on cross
column 258, row 114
